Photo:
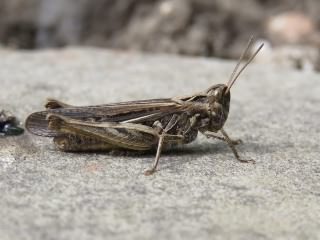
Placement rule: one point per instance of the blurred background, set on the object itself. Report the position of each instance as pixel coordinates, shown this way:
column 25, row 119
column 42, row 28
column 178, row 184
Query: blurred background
column 212, row 28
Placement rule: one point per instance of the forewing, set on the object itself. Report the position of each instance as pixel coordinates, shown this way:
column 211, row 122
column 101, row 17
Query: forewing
column 125, row 112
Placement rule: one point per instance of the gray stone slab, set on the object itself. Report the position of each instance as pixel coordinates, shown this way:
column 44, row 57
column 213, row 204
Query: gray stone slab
column 200, row 192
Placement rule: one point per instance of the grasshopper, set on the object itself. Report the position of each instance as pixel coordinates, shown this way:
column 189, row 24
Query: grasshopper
column 142, row 125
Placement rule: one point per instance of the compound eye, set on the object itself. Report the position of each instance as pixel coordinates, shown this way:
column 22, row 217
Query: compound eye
column 217, row 93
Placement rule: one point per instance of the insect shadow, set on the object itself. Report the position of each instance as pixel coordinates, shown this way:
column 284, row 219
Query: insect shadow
column 213, row 152
column 193, row 152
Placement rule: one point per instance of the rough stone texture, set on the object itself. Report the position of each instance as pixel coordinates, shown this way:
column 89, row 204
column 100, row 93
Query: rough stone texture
column 200, row 192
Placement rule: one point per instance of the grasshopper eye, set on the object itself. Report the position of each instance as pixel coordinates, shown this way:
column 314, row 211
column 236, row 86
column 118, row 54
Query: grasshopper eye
column 217, row 93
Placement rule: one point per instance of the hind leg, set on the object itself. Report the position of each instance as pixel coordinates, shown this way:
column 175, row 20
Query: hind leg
column 79, row 143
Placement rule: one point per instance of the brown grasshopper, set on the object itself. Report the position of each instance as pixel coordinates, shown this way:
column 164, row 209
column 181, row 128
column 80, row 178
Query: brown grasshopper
column 140, row 125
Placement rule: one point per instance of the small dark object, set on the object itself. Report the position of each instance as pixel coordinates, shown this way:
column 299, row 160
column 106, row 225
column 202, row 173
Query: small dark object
column 9, row 124
column 140, row 125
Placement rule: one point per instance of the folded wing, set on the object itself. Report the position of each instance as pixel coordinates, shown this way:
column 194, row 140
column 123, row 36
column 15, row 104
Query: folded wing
column 126, row 112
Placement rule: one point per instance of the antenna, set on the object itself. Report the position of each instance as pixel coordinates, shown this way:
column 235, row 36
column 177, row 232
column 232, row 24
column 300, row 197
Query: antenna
column 235, row 76
column 243, row 54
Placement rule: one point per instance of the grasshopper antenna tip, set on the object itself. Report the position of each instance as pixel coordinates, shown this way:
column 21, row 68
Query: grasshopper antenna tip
column 235, row 76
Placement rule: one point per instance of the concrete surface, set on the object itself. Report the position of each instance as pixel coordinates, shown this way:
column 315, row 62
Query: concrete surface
column 200, row 192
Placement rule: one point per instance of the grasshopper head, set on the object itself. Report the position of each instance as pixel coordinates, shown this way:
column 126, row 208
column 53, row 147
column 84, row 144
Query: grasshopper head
column 219, row 95
column 219, row 104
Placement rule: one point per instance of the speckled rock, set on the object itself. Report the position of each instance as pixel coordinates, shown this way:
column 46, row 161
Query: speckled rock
column 200, row 190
